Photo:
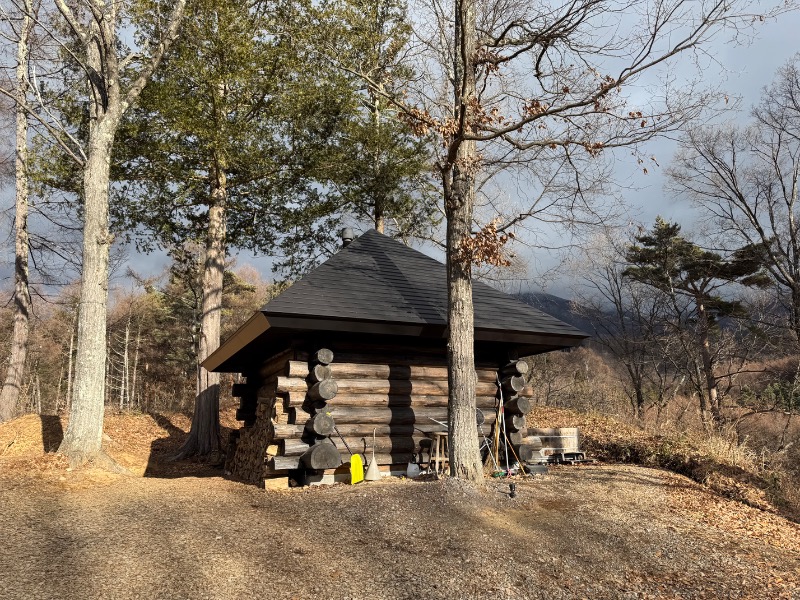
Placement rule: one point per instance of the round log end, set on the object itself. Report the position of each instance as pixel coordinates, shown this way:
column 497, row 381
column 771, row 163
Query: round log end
column 324, row 390
column 323, row 455
column 320, row 424
column 519, row 406
column 515, row 383
column 516, row 422
column 323, row 356
column 527, row 452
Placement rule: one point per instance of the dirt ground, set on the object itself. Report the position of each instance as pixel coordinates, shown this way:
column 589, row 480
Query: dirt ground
column 595, row 531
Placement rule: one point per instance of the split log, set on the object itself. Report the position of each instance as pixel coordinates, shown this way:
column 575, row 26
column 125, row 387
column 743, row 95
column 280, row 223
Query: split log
column 324, row 390
column 517, row 367
column 323, row 455
column 291, row 384
column 513, row 384
column 320, row 424
column 518, row 406
column 323, row 356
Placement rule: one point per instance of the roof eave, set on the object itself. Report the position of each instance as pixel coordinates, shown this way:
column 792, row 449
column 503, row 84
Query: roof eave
column 255, row 326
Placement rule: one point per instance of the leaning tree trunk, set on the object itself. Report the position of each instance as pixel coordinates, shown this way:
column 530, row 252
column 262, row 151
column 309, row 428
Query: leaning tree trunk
column 459, row 200
column 204, row 435
column 9, row 396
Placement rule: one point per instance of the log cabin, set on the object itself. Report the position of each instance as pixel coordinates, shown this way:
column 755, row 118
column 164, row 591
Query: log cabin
column 359, row 346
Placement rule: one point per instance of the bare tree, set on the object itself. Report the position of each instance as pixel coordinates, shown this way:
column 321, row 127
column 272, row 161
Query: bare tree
column 521, row 84
column 748, row 180
column 9, row 396
column 630, row 321
column 115, row 77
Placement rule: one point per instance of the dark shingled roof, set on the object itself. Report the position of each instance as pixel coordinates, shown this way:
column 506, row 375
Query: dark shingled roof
column 377, row 278
column 378, row 286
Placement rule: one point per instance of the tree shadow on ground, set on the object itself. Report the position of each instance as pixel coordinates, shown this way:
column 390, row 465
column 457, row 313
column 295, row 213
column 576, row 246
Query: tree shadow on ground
column 160, row 463
column 52, row 432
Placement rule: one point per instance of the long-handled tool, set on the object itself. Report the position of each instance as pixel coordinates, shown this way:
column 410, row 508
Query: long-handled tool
column 373, row 472
column 356, row 464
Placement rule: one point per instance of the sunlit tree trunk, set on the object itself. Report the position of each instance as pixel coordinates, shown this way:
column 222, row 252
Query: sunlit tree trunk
column 9, row 396
column 204, row 436
column 459, row 201
column 98, row 42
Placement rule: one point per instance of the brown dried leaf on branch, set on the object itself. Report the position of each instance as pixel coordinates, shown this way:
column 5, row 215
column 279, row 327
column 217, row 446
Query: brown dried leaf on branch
column 485, row 247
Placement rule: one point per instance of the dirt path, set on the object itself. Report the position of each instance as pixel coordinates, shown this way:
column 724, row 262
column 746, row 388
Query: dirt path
column 590, row 532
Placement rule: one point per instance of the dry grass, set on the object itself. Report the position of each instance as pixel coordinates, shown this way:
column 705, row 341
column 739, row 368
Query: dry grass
column 718, row 461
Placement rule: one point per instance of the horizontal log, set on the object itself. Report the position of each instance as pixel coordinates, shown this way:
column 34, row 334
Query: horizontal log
column 382, row 416
column 365, row 430
column 385, row 371
column 516, row 367
column 513, row 384
column 517, row 437
column 297, row 399
column 316, row 372
column 515, row 422
column 519, row 406
column 324, row 390
column 291, row 384
column 320, row 424
column 414, row 387
column 528, row 451
column 276, row 364
column 323, row 356
column 323, row 455
column 385, row 445
column 395, row 355
column 284, row 463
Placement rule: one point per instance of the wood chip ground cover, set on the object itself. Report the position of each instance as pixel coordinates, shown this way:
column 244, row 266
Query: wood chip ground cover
column 595, row 531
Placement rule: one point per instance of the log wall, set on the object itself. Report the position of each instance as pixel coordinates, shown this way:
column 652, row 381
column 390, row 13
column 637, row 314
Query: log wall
column 290, row 406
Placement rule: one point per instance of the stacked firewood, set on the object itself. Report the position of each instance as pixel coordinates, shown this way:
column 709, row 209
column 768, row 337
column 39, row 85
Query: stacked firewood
column 258, row 410
column 515, row 407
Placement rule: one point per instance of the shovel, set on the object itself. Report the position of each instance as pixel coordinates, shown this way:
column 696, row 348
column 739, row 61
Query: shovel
column 356, row 464
column 373, row 472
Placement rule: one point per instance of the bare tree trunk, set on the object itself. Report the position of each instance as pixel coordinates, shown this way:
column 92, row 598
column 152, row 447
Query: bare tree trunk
column 459, row 200
column 83, row 437
column 68, row 398
column 9, row 396
column 124, row 391
column 101, row 62
column 712, row 406
column 133, row 390
column 204, row 436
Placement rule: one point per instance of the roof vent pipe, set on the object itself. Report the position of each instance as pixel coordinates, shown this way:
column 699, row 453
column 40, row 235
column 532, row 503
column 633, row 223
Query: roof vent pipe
column 347, row 236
